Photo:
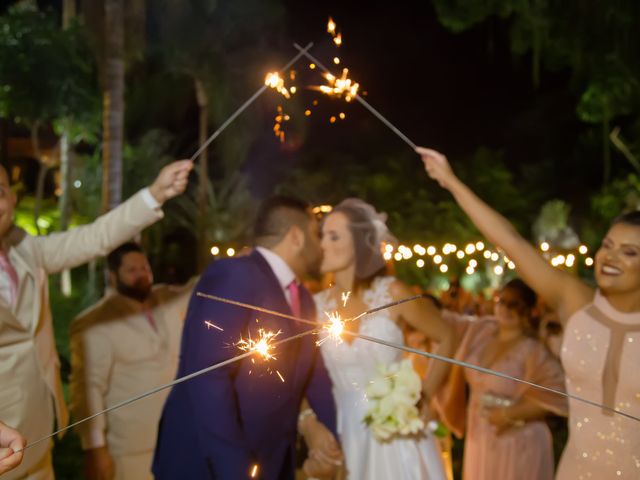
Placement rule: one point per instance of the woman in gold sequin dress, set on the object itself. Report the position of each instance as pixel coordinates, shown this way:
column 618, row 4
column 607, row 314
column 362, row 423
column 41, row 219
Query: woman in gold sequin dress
column 601, row 349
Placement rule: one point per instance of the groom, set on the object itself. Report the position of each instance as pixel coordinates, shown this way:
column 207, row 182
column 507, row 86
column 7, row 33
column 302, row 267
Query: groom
column 220, row 424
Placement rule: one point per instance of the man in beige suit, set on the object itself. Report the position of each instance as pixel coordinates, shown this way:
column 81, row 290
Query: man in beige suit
column 31, row 391
column 124, row 345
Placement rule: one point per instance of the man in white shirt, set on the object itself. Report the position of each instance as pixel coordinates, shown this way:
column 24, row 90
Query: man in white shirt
column 31, row 394
column 125, row 344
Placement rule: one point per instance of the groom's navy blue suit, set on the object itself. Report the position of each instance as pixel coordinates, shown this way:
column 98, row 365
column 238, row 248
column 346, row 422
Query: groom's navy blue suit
column 217, row 425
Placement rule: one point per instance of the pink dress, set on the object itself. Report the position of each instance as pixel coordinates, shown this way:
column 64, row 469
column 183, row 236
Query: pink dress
column 525, row 452
column 601, row 357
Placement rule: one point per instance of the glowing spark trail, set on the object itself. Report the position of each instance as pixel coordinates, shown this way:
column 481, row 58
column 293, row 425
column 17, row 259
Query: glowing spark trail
column 362, row 101
column 420, row 352
column 345, row 298
column 213, row 325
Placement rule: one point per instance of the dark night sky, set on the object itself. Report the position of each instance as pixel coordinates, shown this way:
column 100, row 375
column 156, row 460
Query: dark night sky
column 455, row 92
column 451, row 91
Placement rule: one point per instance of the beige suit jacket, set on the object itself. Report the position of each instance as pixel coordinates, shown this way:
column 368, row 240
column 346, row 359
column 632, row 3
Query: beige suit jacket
column 29, row 364
column 116, row 354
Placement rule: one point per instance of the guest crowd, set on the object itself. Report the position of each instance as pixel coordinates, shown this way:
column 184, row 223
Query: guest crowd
column 301, row 414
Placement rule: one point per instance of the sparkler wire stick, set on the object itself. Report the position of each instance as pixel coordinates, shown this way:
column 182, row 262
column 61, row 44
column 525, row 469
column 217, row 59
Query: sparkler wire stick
column 249, row 101
column 302, row 320
column 488, row 371
column 167, row 385
column 421, row 352
column 362, row 101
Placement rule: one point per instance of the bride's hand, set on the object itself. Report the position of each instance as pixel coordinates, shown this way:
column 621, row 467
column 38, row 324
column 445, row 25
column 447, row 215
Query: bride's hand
column 321, row 443
column 437, row 166
column 426, row 414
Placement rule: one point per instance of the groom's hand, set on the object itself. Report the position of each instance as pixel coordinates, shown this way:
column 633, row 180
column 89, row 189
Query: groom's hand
column 323, row 446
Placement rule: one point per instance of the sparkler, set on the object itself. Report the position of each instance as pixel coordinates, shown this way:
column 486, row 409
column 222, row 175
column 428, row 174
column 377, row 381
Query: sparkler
column 334, row 328
column 246, row 104
column 489, row 371
column 177, row 381
column 336, row 322
column 275, row 81
column 362, row 101
column 263, row 345
column 345, row 298
column 338, row 87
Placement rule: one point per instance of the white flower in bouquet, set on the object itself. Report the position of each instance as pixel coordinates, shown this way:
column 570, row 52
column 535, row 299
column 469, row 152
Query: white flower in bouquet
column 393, row 397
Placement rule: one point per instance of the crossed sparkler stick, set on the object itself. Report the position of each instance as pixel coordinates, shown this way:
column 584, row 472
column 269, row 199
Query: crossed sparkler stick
column 333, row 327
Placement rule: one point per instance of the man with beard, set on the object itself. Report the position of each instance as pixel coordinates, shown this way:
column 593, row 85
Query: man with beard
column 31, row 394
column 124, row 345
column 222, row 424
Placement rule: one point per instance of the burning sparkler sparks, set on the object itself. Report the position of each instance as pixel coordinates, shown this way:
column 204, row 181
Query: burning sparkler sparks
column 263, row 345
column 339, row 87
column 345, row 298
column 333, row 328
column 213, row 325
column 275, row 81
column 280, row 118
column 331, row 28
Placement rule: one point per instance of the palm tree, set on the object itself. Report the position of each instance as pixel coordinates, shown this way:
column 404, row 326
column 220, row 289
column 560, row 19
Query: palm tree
column 113, row 103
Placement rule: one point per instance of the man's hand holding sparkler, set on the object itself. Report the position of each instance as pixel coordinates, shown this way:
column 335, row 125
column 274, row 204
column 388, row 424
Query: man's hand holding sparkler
column 171, row 181
column 10, row 443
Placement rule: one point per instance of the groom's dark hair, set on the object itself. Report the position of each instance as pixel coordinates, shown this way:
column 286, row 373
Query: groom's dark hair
column 276, row 216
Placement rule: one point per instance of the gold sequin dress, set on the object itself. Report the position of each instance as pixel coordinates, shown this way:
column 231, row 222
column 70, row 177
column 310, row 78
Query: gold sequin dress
column 601, row 358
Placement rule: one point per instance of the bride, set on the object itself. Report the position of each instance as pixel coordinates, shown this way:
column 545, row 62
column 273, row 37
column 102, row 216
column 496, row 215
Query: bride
column 352, row 237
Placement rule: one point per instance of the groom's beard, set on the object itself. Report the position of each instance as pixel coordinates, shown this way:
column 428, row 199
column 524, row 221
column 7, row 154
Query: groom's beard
column 139, row 291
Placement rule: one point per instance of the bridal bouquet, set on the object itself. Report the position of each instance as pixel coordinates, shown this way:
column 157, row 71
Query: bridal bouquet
column 393, row 397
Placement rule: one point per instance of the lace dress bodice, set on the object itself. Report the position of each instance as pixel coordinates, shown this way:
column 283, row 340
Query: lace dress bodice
column 355, row 364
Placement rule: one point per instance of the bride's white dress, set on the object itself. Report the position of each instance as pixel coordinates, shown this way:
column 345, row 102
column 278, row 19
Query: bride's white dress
column 351, row 367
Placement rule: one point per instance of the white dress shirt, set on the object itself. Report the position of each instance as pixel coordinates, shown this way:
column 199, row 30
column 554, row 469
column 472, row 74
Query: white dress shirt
column 280, row 268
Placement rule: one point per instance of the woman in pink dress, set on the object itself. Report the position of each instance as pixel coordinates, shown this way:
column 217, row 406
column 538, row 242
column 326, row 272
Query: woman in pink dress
column 506, row 436
column 601, row 347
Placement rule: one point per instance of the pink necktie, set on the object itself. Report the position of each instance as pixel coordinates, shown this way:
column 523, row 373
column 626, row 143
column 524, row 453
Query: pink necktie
column 294, row 294
column 152, row 321
column 5, row 265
